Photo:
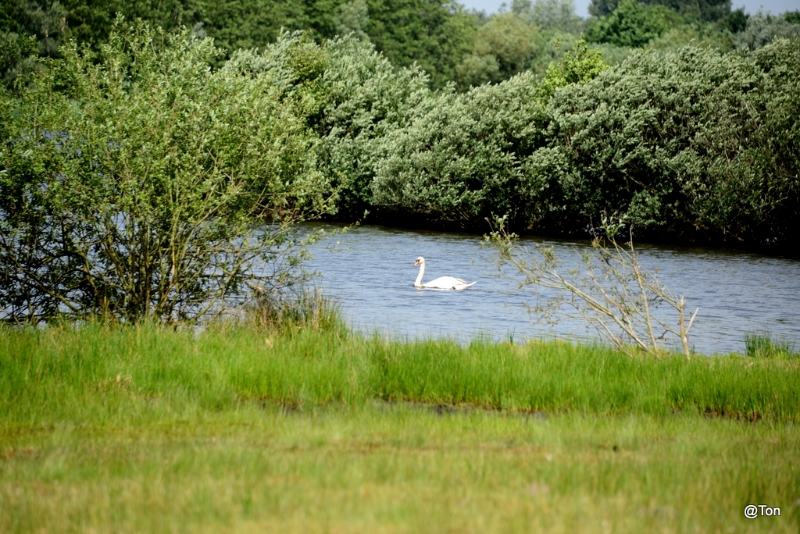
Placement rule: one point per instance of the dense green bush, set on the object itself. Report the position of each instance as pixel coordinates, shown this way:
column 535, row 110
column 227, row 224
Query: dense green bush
column 460, row 159
column 693, row 145
column 368, row 99
column 467, row 157
column 691, row 142
column 352, row 98
column 687, row 144
column 136, row 184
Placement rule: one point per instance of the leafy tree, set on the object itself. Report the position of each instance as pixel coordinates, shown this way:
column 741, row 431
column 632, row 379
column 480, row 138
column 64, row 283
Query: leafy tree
column 45, row 20
column 353, row 17
column 435, row 34
column 602, row 8
column 459, row 160
column 700, row 10
column 762, row 29
column 502, row 47
column 368, row 100
column 632, row 24
column 703, row 10
column 352, row 98
column 550, row 14
column 466, row 157
column 736, row 21
column 17, row 57
column 91, row 21
column 142, row 185
column 691, row 35
column 244, row 24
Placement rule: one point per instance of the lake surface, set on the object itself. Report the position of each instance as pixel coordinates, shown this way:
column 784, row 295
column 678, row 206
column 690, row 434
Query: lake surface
column 368, row 271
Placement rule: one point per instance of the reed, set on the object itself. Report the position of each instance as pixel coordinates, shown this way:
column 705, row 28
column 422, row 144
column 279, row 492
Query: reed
column 765, row 345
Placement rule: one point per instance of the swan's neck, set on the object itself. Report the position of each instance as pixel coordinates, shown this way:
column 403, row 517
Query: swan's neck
column 418, row 283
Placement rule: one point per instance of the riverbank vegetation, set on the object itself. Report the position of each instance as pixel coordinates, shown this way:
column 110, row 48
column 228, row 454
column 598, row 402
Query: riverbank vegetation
column 144, row 185
column 689, row 130
column 51, row 374
column 300, row 428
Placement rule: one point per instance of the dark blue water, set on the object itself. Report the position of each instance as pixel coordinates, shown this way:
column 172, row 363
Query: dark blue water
column 368, row 271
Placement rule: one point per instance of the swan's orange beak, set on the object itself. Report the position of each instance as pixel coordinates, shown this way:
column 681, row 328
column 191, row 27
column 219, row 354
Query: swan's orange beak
column 415, row 264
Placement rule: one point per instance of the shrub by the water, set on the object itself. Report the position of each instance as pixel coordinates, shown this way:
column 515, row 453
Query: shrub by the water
column 694, row 144
column 141, row 184
column 689, row 145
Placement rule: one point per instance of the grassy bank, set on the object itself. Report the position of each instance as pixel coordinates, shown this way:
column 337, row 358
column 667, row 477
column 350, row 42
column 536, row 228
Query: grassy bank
column 102, row 375
column 236, row 430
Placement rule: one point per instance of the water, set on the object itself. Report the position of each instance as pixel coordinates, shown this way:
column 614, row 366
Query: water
column 368, row 271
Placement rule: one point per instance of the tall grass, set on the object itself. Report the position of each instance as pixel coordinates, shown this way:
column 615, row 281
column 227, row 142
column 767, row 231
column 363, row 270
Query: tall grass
column 764, row 345
column 95, row 373
column 307, row 309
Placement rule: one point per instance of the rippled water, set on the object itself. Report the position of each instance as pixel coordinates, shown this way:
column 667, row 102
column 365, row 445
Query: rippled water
column 370, row 274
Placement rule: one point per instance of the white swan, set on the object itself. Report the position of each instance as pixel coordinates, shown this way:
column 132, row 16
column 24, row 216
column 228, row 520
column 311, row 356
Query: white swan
column 443, row 282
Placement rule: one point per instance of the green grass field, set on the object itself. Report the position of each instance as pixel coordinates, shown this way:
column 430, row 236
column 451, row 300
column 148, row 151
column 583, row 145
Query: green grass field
column 318, row 430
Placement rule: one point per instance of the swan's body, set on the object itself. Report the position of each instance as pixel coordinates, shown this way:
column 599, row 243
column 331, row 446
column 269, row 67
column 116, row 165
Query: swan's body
column 443, row 282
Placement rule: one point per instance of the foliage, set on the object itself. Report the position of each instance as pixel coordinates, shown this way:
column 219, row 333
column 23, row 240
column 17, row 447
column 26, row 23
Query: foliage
column 736, row 21
column 47, row 21
column 613, row 55
column 697, row 10
column 368, row 99
column 632, row 24
column 460, row 159
column 551, row 14
column 502, row 47
column 704, row 10
column 353, row 17
column 690, row 141
column 465, row 157
column 529, row 37
column 26, row 30
column 131, row 184
column 688, row 145
column 17, row 57
column 353, row 98
column 578, row 66
column 693, row 35
column 762, row 29
column 434, row 34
